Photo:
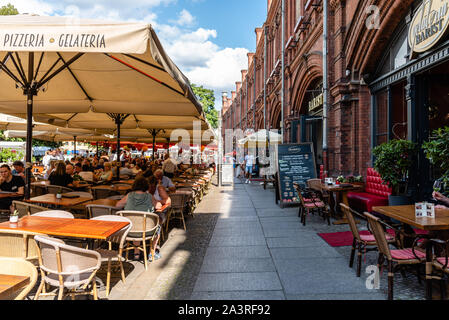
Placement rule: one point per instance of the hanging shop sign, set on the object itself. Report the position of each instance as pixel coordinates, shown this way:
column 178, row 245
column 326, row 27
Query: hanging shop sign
column 429, row 25
column 316, row 103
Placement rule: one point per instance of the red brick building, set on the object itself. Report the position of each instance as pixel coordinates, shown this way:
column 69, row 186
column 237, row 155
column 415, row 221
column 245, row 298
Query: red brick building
column 379, row 87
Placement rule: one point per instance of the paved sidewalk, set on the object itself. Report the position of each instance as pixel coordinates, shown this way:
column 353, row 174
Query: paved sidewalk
column 259, row 251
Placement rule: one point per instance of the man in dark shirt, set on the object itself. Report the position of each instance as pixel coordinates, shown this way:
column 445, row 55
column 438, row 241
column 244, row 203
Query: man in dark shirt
column 10, row 183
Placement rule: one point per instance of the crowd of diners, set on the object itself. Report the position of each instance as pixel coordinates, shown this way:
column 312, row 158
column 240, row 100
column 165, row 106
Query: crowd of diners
column 150, row 190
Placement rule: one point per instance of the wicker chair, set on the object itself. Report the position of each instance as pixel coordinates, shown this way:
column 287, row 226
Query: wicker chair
column 108, row 254
column 94, row 210
column 19, row 267
column 103, row 193
column 26, row 209
column 57, row 189
column 362, row 243
column 176, row 211
column 66, row 267
column 310, row 203
column 54, row 214
column 440, row 264
column 145, row 227
column 18, row 244
column 395, row 258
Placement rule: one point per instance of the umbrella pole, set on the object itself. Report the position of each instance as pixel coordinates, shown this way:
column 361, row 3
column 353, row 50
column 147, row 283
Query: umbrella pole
column 30, row 91
column 97, row 148
column 154, row 146
column 118, row 122
column 74, row 146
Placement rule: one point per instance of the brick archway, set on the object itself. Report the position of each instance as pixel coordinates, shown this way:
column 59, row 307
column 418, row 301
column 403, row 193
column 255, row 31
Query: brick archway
column 303, row 79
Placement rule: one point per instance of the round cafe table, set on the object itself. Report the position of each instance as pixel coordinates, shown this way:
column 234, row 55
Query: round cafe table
column 342, row 192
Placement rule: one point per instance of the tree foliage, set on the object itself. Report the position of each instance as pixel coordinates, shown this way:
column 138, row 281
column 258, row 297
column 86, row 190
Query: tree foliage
column 437, row 151
column 207, row 99
column 8, row 10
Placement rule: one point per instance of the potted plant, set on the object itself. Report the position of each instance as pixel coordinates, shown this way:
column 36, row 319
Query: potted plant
column 436, row 150
column 14, row 217
column 340, row 180
column 393, row 162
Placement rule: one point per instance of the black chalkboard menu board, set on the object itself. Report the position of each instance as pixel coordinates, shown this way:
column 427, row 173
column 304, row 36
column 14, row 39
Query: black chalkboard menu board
column 296, row 163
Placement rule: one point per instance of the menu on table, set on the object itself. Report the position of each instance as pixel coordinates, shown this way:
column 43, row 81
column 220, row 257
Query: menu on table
column 296, row 163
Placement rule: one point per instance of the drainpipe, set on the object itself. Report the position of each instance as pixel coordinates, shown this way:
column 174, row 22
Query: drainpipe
column 265, row 89
column 325, row 84
column 283, row 70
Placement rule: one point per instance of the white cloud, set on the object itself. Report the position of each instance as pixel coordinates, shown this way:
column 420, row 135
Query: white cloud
column 185, row 18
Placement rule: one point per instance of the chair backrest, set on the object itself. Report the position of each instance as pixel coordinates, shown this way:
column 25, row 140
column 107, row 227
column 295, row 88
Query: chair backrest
column 54, row 214
column 299, row 192
column 120, row 236
column 118, row 197
column 81, row 194
column 352, row 224
column 26, row 209
column 178, row 200
column 56, row 257
column 57, row 189
column 95, row 210
column 103, row 193
column 142, row 221
column 19, row 267
column 379, row 235
column 315, row 184
column 18, row 244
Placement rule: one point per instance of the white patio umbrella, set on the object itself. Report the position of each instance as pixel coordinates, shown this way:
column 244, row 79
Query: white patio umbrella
column 117, row 69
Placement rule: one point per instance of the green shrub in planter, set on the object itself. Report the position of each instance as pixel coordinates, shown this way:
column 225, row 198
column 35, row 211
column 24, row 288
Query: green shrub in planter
column 437, row 151
column 393, row 162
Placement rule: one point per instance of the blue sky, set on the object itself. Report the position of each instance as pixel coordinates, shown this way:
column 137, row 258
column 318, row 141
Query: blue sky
column 207, row 39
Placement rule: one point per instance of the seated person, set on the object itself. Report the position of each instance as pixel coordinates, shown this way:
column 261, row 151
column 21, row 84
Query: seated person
column 70, row 169
column 440, row 197
column 139, row 199
column 159, row 193
column 50, row 169
column 10, row 183
column 19, row 169
column 86, row 174
column 164, row 181
column 125, row 170
column 59, row 176
column 106, row 174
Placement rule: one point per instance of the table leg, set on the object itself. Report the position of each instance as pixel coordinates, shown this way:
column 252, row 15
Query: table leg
column 344, row 220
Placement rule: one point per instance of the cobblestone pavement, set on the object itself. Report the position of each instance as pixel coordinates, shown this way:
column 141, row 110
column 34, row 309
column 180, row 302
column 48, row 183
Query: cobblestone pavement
column 240, row 245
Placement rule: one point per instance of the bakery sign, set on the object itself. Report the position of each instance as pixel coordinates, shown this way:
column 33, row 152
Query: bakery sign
column 316, row 102
column 429, row 25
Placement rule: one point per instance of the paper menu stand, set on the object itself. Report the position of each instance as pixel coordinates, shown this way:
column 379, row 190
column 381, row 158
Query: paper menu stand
column 424, row 210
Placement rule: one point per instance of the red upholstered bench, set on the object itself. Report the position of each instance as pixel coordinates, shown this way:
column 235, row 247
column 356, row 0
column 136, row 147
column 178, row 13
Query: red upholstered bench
column 376, row 194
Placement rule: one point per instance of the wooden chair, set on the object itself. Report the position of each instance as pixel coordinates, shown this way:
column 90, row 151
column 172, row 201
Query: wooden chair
column 66, row 267
column 57, row 189
column 362, row 243
column 103, row 193
column 310, row 202
column 395, row 258
column 440, row 264
column 19, row 267
column 117, row 255
column 18, row 244
column 55, row 214
column 94, row 210
column 176, row 211
column 26, row 209
column 317, row 186
column 145, row 227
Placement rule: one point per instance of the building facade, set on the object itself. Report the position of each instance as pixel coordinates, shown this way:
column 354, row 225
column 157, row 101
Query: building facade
column 382, row 85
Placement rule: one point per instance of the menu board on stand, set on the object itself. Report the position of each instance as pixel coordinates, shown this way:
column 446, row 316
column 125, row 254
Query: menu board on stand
column 296, row 163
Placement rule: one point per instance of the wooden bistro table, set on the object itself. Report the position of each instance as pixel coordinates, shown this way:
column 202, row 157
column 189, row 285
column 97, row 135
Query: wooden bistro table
column 343, row 192
column 50, row 199
column 9, row 284
column 74, row 228
column 120, row 188
column 406, row 214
